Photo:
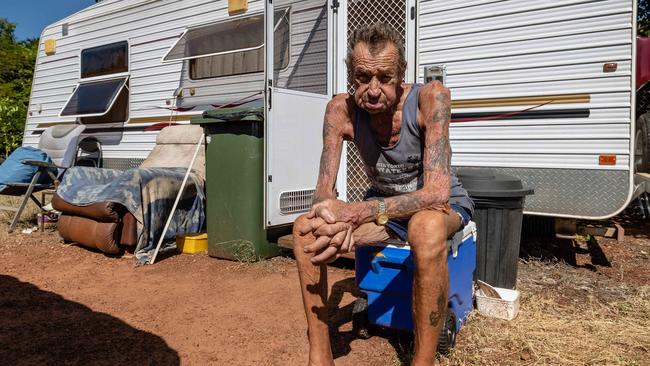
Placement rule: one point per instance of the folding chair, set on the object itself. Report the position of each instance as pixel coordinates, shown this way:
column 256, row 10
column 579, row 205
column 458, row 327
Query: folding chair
column 60, row 143
column 89, row 152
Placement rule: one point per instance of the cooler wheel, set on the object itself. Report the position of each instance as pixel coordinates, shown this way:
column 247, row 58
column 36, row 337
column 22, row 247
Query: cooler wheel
column 447, row 337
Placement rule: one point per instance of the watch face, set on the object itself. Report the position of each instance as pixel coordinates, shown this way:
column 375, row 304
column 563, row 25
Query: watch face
column 382, row 219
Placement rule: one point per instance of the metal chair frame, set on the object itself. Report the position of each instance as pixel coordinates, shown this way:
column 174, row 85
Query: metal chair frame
column 27, row 190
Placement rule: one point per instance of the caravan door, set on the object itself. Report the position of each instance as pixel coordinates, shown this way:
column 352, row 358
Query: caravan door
column 298, row 47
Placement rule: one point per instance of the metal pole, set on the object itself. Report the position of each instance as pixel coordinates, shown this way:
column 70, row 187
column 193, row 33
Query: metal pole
column 178, row 198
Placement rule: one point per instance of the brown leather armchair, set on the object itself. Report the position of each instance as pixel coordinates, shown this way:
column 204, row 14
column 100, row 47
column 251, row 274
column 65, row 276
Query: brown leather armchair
column 102, row 225
column 109, row 226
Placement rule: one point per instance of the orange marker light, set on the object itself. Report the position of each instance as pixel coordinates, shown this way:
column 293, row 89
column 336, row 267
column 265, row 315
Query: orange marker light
column 610, row 67
column 607, row 160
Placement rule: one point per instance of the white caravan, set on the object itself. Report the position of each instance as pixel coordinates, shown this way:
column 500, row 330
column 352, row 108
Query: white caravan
column 542, row 90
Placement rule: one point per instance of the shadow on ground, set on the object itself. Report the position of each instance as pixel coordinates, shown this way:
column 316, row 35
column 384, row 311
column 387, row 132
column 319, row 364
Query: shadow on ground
column 538, row 242
column 339, row 316
column 42, row 328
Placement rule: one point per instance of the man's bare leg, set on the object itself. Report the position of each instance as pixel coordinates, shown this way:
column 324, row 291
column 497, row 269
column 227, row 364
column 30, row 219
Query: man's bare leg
column 313, row 285
column 427, row 235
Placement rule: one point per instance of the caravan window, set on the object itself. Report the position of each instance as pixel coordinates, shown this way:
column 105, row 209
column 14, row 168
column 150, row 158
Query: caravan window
column 105, row 97
column 224, row 38
column 232, row 47
column 94, row 99
column 105, row 60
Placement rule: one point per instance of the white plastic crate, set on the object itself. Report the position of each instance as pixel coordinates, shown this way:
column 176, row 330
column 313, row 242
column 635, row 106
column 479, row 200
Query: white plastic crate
column 507, row 307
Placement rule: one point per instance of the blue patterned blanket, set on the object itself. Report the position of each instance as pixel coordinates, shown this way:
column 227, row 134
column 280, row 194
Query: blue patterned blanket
column 149, row 194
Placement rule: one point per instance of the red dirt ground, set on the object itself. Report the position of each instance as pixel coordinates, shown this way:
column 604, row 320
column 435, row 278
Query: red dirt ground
column 62, row 304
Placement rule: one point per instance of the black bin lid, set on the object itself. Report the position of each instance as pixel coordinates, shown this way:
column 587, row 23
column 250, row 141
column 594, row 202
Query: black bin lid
column 487, row 183
column 248, row 111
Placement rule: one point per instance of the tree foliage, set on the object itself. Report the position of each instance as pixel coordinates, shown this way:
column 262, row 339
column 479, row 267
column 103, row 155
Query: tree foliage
column 16, row 72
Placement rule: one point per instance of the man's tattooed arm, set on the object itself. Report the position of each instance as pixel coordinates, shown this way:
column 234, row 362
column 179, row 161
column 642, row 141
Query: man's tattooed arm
column 334, row 126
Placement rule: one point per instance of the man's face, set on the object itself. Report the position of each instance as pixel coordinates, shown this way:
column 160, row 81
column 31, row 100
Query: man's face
column 375, row 78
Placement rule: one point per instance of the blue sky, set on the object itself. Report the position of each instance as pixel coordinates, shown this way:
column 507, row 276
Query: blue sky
column 31, row 16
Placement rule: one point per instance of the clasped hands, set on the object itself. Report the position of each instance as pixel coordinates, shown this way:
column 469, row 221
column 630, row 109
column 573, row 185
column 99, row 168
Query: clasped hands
column 331, row 223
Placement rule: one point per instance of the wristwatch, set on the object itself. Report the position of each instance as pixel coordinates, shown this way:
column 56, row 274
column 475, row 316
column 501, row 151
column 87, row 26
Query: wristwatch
column 382, row 215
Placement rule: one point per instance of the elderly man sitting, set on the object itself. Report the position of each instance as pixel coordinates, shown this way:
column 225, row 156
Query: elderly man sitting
column 402, row 133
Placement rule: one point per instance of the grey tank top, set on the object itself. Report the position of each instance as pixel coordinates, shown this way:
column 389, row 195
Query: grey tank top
column 398, row 169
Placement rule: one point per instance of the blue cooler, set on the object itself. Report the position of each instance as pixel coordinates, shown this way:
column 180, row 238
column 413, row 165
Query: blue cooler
column 384, row 272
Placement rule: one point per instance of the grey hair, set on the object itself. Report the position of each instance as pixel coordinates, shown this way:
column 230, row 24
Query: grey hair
column 376, row 36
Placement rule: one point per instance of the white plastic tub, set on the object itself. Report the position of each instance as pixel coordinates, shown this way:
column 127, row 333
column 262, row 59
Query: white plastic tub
column 505, row 308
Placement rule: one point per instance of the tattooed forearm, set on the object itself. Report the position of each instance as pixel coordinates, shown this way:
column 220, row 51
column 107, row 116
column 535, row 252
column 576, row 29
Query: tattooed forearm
column 439, row 154
column 333, row 124
column 405, row 205
column 325, row 175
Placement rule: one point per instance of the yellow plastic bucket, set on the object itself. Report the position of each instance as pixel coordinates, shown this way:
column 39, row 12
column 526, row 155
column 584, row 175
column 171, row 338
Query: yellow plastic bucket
column 192, row 243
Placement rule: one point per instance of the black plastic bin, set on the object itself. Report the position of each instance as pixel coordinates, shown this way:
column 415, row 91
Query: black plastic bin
column 499, row 201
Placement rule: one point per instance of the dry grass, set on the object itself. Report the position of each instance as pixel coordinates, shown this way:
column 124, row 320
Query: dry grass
column 566, row 318
column 29, row 213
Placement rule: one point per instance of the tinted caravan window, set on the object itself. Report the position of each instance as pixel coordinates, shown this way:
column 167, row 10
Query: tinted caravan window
column 232, row 47
column 94, row 98
column 232, row 36
column 104, row 60
column 246, row 61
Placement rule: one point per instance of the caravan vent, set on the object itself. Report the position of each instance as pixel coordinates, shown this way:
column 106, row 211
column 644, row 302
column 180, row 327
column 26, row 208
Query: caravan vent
column 296, row 201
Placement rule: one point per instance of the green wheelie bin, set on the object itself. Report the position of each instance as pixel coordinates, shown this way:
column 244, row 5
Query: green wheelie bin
column 234, row 164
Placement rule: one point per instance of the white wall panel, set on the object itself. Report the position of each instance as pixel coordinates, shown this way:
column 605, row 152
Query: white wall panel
column 521, row 48
column 600, row 85
column 569, row 72
column 565, row 42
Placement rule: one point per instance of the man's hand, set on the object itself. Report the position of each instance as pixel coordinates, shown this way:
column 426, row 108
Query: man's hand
column 334, row 234
column 333, row 210
column 332, row 239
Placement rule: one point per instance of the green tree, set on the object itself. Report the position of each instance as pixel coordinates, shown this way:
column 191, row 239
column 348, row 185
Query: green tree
column 12, row 121
column 16, row 72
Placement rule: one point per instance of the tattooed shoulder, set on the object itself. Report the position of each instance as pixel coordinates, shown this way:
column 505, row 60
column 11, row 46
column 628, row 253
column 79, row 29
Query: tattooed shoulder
column 337, row 116
column 442, row 109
